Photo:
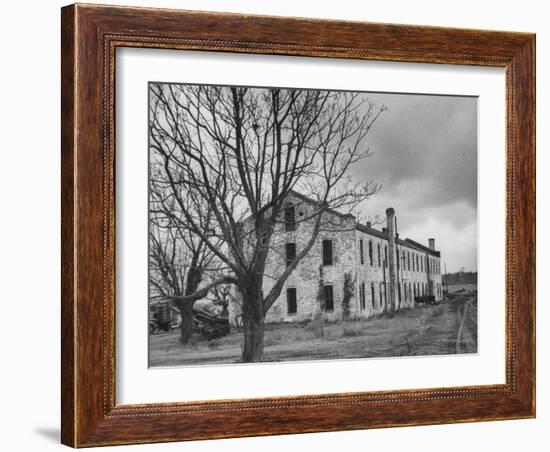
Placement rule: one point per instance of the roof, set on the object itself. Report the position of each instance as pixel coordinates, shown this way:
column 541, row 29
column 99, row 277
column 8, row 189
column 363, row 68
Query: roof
column 313, row 201
column 409, row 243
column 371, row 231
column 422, row 247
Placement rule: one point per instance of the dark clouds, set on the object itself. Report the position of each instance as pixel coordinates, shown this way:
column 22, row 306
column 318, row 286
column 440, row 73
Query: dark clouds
column 425, row 157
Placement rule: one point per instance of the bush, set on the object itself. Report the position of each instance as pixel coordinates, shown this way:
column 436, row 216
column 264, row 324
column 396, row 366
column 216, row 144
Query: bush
column 351, row 332
column 213, row 344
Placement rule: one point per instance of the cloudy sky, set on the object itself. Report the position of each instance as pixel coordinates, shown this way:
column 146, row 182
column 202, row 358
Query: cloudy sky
column 425, row 157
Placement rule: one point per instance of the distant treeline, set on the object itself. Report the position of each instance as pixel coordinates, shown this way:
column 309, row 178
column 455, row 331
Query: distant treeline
column 460, row 278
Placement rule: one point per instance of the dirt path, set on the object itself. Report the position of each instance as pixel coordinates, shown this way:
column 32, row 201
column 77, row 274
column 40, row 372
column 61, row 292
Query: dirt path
column 466, row 340
column 448, row 328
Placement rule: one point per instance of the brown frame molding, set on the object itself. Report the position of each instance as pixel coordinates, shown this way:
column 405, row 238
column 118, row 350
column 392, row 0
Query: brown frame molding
column 90, row 35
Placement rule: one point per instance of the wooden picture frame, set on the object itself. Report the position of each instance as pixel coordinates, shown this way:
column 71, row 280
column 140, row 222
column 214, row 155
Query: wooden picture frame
column 90, row 35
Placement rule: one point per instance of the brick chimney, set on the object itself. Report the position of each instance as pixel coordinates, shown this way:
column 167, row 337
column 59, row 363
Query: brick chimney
column 390, row 226
column 431, row 244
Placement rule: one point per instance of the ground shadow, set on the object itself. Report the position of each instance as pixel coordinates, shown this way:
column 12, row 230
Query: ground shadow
column 50, row 433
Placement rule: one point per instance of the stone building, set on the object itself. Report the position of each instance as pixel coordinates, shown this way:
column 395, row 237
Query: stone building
column 353, row 270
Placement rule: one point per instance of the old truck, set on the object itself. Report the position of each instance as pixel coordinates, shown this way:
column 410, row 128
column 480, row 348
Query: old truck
column 165, row 316
column 210, row 325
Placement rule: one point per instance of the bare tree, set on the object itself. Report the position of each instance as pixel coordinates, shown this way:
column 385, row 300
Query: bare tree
column 178, row 258
column 243, row 152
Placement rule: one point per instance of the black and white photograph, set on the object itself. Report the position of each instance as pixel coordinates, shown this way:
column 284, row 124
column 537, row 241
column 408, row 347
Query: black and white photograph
column 292, row 224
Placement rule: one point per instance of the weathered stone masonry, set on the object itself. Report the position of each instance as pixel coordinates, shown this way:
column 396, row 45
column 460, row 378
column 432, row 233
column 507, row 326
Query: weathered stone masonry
column 383, row 271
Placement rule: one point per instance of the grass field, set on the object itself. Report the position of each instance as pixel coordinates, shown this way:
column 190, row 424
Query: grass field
column 447, row 328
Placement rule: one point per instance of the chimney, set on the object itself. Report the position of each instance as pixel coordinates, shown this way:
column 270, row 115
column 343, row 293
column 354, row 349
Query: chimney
column 390, row 226
column 369, row 224
column 431, row 244
column 384, row 231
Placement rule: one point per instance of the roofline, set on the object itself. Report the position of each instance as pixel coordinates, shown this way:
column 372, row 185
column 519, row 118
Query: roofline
column 409, row 243
column 423, row 247
column 313, row 201
column 366, row 229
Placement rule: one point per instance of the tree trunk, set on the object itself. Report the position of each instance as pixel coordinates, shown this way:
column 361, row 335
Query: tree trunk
column 253, row 350
column 253, row 325
column 186, row 311
column 194, row 277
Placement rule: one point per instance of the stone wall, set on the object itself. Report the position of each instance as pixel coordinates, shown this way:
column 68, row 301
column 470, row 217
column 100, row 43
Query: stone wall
column 310, row 274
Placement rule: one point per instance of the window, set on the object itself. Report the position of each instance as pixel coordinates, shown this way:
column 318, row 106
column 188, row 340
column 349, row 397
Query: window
column 290, row 253
column 385, row 255
column 362, row 295
column 372, row 294
column 408, row 261
column 362, row 251
column 380, row 292
column 379, row 260
column 290, row 218
column 370, row 252
column 291, row 304
column 329, row 298
column 399, row 293
column 327, row 252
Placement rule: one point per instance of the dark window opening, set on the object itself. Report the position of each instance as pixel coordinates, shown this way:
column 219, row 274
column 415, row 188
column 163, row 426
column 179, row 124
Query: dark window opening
column 327, row 252
column 372, row 294
column 362, row 251
column 370, row 252
column 385, row 255
column 399, row 293
column 290, row 253
column 379, row 260
column 290, row 218
column 292, row 306
column 329, row 298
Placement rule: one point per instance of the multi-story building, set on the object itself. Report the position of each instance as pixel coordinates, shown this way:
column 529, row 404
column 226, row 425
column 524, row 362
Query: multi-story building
column 353, row 270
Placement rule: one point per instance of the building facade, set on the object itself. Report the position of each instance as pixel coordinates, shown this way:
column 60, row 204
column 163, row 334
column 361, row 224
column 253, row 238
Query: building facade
column 352, row 270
